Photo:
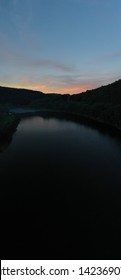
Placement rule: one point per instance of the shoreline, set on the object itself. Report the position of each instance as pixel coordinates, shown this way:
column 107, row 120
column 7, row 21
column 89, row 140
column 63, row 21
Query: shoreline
column 84, row 119
column 8, row 125
column 13, row 119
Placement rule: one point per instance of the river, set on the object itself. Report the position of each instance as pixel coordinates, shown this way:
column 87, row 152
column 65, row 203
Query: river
column 63, row 181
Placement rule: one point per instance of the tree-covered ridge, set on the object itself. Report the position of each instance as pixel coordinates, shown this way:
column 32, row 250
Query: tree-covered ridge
column 110, row 94
column 18, row 96
column 102, row 104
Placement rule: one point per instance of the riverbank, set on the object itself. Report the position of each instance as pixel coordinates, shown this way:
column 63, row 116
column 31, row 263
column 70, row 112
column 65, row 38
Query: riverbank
column 72, row 115
column 8, row 125
column 101, row 105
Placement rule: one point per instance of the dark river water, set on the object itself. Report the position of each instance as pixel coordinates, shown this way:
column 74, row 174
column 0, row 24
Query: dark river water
column 61, row 190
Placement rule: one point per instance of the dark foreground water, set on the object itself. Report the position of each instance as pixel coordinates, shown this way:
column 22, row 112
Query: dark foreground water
column 61, row 191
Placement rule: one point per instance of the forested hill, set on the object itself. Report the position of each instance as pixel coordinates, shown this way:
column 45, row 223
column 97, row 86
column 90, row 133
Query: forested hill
column 102, row 104
column 18, row 96
column 105, row 94
column 25, row 97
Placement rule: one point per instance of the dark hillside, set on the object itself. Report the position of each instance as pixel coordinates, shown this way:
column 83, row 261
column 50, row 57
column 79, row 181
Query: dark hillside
column 102, row 104
column 34, row 99
column 110, row 94
column 18, row 96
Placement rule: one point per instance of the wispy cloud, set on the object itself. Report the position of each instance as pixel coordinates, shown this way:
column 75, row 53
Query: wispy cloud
column 36, row 63
column 113, row 55
column 12, row 57
column 52, row 84
column 56, row 84
column 107, row 57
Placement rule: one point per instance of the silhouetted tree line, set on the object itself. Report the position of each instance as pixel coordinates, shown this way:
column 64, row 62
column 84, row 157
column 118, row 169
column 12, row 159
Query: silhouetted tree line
column 102, row 104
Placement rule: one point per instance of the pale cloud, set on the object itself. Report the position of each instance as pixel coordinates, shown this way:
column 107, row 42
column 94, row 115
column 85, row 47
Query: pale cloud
column 52, row 84
column 107, row 57
column 113, row 55
column 36, row 63
column 56, row 84
column 70, row 84
column 12, row 57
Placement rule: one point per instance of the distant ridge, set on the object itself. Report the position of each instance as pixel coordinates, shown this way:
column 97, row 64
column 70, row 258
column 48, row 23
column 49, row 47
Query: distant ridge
column 107, row 89
column 116, row 85
column 102, row 104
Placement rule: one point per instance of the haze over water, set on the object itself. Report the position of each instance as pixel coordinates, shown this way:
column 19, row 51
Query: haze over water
column 64, row 180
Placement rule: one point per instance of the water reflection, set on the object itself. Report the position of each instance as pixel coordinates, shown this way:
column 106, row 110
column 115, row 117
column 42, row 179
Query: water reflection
column 63, row 179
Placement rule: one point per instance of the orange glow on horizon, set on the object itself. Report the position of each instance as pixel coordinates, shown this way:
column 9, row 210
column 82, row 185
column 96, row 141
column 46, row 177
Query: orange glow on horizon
column 45, row 88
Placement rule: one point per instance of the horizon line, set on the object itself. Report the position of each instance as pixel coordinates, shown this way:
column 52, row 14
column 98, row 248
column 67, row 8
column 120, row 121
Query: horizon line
column 39, row 91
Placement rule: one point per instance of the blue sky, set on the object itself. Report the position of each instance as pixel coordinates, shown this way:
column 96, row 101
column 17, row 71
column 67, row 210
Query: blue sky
column 61, row 46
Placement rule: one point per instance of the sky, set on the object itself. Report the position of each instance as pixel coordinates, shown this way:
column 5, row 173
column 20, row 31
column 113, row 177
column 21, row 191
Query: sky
column 60, row 46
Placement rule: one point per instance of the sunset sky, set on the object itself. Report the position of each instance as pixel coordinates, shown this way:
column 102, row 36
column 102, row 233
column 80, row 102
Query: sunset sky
column 61, row 46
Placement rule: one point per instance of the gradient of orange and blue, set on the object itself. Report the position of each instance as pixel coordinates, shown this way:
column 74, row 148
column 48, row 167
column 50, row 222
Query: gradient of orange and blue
column 62, row 46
